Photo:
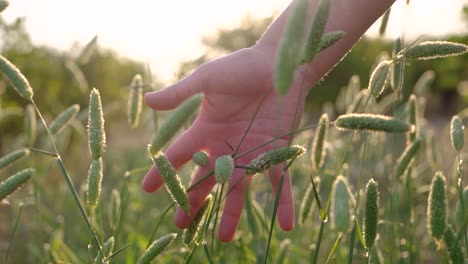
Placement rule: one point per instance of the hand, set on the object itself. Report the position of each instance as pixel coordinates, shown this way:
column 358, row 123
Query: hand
column 233, row 86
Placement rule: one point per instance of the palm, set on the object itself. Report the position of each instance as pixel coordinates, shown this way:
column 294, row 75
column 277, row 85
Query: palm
column 234, row 88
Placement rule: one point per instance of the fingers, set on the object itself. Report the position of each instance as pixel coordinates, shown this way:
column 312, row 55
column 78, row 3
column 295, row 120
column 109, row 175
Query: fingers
column 196, row 195
column 175, row 94
column 178, row 154
column 233, row 206
column 286, row 205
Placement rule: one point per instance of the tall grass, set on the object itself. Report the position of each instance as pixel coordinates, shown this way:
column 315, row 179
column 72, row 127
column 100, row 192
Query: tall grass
column 380, row 139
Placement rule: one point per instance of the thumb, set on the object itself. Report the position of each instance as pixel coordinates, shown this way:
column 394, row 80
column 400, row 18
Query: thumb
column 170, row 97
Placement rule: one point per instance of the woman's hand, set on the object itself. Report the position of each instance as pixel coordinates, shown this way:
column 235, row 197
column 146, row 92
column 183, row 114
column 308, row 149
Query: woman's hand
column 233, row 87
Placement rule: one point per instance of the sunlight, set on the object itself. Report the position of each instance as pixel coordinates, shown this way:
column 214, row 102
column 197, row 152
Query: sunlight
column 168, row 32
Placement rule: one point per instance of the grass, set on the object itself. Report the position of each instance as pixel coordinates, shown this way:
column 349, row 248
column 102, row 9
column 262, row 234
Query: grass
column 124, row 224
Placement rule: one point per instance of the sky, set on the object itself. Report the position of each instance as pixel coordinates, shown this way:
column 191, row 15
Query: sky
column 164, row 33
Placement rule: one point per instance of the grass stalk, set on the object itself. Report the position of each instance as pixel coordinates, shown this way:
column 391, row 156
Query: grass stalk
column 410, row 231
column 68, row 179
column 356, row 208
column 275, row 208
column 318, row 244
column 334, row 248
column 155, row 230
column 216, row 214
column 13, row 234
column 460, row 196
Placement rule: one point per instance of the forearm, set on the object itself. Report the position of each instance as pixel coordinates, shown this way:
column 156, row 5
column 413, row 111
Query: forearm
column 353, row 17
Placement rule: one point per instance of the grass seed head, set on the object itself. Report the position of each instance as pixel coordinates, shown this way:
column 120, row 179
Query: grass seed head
column 191, row 232
column 371, row 122
column 422, row 85
column 318, row 150
column 14, row 182
column 457, row 133
column 88, row 51
column 437, row 206
column 16, row 78
column 113, row 209
column 11, row 157
column 397, row 67
column 379, row 78
column 224, row 167
column 63, row 119
column 283, row 251
column 107, row 249
column 94, row 183
column 341, row 205
column 96, row 132
column 174, row 122
column 156, row 248
column 30, row 124
column 371, row 214
column 171, row 181
column 273, row 157
column 319, row 21
column 431, row 151
column 290, row 47
column 383, row 24
column 200, row 158
column 407, row 157
column 307, row 201
column 3, row 5
column 358, row 101
column 135, row 101
column 452, row 245
column 330, row 38
column 434, row 49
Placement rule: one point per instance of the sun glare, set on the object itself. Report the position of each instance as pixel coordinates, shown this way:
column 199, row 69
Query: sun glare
column 165, row 33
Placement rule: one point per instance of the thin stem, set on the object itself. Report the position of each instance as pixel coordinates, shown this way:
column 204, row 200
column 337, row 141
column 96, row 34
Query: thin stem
column 15, row 228
column 409, row 192
column 335, row 247
column 208, row 253
column 190, row 255
column 276, row 138
column 251, row 121
column 218, row 203
column 353, row 235
column 322, row 212
column 461, row 197
column 319, row 242
column 118, row 251
column 275, row 207
column 43, row 152
column 352, row 239
column 153, row 234
column 67, row 177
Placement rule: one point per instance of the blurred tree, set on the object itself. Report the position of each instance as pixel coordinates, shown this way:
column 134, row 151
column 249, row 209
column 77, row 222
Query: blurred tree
column 55, row 75
column 360, row 61
column 227, row 41
column 14, row 36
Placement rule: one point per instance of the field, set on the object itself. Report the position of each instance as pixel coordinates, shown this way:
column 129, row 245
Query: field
column 374, row 179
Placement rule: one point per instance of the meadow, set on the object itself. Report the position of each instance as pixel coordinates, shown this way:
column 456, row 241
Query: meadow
column 373, row 179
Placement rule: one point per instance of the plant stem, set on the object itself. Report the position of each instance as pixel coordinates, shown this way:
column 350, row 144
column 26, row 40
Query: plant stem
column 353, row 234
column 218, row 203
column 461, row 197
column 158, row 224
column 319, row 242
column 67, row 177
column 275, row 207
column 15, row 228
